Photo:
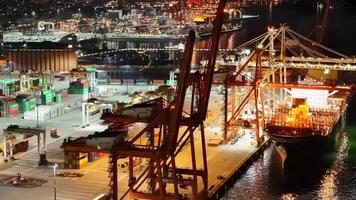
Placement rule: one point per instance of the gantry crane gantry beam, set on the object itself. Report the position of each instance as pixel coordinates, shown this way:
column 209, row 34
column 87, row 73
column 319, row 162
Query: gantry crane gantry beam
column 309, row 87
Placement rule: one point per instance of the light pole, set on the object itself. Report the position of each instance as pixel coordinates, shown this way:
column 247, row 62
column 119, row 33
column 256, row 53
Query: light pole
column 54, row 181
column 127, row 87
column 37, row 119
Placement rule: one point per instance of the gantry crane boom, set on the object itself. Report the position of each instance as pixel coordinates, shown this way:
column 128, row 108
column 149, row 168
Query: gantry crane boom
column 176, row 115
column 215, row 40
column 321, row 32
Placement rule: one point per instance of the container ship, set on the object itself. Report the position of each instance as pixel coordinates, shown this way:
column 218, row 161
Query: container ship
column 309, row 119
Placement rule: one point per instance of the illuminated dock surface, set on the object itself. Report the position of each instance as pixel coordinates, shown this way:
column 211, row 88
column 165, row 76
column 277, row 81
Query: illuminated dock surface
column 223, row 160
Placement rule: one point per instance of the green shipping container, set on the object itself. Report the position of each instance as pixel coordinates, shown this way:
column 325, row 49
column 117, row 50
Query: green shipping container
column 168, row 82
column 15, row 105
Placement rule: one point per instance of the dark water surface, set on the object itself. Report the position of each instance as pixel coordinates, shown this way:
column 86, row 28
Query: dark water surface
column 333, row 174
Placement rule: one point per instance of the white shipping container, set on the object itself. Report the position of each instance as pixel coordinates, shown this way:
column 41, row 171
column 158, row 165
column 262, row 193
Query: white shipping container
column 45, row 112
column 315, row 98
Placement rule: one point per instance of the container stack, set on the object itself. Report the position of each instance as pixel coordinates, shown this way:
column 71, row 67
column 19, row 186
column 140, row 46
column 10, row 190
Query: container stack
column 8, row 86
column 24, row 104
column 75, row 160
column 13, row 110
column 58, row 97
column 71, row 160
column 60, row 109
column 64, row 95
column 114, row 81
column 33, row 103
column 141, row 81
column 78, row 87
column 45, row 112
column 169, row 82
column 128, row 81
column 42, row 112
column 42, row 82
column 103, row 81
column 158, row 82
column 10, row 107
column 47, row 97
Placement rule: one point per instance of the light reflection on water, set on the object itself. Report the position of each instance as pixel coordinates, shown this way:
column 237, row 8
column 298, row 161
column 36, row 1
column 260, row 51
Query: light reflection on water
column 329, row 182
column 331, row 177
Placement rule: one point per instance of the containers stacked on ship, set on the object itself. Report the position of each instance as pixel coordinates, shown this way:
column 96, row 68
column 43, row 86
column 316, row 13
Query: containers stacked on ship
column 78, row 87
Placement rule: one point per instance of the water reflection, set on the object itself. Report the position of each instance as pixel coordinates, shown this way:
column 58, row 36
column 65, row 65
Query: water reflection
column 328, row 186
column 317, row 178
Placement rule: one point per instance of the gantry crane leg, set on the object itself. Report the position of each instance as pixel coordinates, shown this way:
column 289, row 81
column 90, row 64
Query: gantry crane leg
column 205, row 161
column 194, row 164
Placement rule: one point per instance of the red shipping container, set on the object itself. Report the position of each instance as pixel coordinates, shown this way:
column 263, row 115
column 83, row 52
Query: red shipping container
column 14, row 113
column 128, row 80
column 158, row 82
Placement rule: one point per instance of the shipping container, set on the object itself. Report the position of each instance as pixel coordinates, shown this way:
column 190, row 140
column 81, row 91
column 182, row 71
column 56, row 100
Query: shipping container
column 168, row 82
column 141, row 81
column 61, row 78
column 115, row 81
column 128, row 81
column 158, row 82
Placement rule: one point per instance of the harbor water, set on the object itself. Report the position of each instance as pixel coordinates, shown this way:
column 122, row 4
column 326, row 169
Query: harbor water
column 332, row 175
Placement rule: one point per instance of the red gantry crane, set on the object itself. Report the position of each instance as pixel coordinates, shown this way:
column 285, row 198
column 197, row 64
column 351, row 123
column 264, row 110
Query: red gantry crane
column 169, row 128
